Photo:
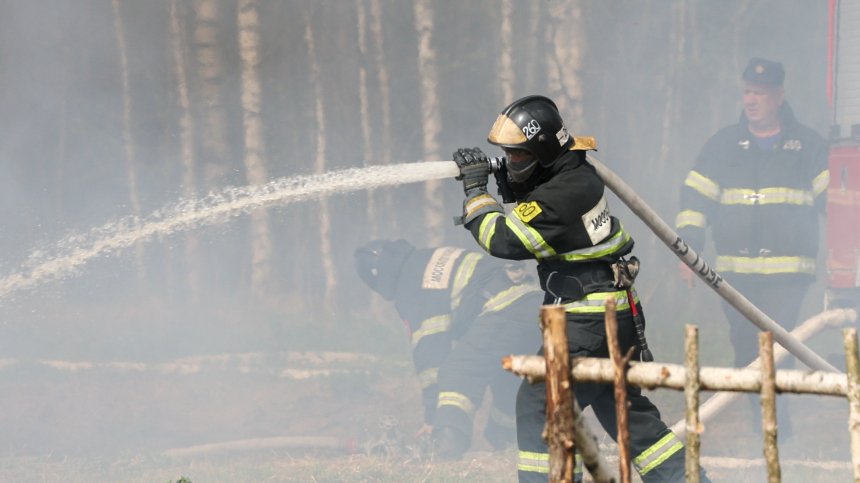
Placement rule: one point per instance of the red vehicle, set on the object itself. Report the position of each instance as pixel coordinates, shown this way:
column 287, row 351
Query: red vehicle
column 843, row 194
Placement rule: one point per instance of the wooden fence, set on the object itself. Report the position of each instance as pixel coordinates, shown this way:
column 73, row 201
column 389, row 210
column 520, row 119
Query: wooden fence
column 566, row 427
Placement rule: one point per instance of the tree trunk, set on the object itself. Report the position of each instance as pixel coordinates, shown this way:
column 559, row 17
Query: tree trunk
column 186, row 141
column 384, row 101
column 566, row 43
column 504, row 62
column 319, row 165
column 366, row 131
column 210, row 72
column 127, row 141
column 430, row 117
column 255, row 148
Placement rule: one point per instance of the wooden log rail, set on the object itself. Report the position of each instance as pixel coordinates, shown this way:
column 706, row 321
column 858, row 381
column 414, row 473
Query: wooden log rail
column 651, row 375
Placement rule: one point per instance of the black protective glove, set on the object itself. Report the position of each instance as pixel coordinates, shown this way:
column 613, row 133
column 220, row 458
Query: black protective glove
column 474, row 169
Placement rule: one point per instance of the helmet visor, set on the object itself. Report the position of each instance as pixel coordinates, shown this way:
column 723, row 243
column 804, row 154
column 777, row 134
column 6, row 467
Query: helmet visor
column 521, row 164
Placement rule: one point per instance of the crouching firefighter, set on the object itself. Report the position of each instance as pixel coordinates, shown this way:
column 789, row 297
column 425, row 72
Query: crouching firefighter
column 446, row 295
column 562, row 219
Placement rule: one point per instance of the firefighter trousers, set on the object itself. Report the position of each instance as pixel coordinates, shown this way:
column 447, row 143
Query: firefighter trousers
column 475, row 363
column 781, row 300
column 658, row 455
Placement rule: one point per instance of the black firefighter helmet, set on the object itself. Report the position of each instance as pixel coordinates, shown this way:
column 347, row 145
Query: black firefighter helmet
column 379, row 263
column 531, row 124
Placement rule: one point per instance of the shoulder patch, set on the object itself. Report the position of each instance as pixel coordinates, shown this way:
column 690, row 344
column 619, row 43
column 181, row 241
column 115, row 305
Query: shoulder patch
column 598, row 222
column 437, row 273
column 527, row 211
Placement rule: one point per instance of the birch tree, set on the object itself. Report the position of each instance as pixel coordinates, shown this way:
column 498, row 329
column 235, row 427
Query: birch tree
column 384, row 98
column 127, row 141
column 504, row 62
column 319, row 162
column 186, row 142
column 431, row 119
column 566, row 49
column 210, row 72
column 366, row 131
column 255, row 148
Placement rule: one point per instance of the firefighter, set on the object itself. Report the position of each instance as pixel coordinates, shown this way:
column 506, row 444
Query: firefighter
column 446, row 295
column 564, row 222
column 760, row 184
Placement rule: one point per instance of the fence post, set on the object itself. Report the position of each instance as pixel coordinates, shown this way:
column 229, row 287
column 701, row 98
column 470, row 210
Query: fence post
column 620, row 362
column 768, row 406
column 559, row 433
column 691, row 397
column 852, row 364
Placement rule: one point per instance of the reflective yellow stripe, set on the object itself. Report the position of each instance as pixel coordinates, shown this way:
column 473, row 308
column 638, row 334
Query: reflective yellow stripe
column 507, row 297
column 534, row 462
column 703, row 185
column 849, row 197
column 820, row 183
column 539, row 462
column 487, row 230
column 765, row 265
column 430, row 326
column 531, row 239
column 615, row 243
column 428, row 377
column 767, row 196
column 462, row 277
column 690, row 218
column 657, row 453
column 479, row 202
column 458, row 400
column 594, row 302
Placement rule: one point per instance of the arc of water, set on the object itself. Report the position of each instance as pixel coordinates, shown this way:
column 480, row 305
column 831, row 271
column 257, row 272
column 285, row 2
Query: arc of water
column 73, row 251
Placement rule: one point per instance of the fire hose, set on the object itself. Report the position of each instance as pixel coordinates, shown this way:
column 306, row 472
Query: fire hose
column 710, row 276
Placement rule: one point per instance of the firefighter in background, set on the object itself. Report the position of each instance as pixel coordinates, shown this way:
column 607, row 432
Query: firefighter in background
column 447, row 295
column 760, row 184
column 564, row 222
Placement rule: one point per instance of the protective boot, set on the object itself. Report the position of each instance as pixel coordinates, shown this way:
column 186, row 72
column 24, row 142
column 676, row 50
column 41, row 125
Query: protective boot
column 449, row 444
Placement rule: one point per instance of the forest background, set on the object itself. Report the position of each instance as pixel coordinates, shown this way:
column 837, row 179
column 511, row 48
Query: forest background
column 112, row 108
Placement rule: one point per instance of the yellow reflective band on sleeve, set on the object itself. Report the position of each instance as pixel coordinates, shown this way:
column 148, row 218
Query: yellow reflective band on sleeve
column 767, row 196
column 534, row 462
column 612, row 245
column 479, row 202
column 532, row 240
column 577, row 464
column 506, row 297
column 487, row 230
column 462, row 277
column 703, row 185
column 458, row 400
column 657, row 453
column 765, row 265
column 820, row 183
column 690, row 218
column 428, row 377
column 430, row 326
column 595, row 302
column 502, row 419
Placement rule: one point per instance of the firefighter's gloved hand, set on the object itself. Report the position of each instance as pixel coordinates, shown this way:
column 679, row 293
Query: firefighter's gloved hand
column 474, row 169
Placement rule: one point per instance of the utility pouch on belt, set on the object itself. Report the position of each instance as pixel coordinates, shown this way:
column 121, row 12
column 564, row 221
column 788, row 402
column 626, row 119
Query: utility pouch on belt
column 625, row 272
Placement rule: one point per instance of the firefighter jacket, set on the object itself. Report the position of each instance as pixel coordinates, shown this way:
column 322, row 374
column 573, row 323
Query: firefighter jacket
column 439, row 293
column 564, row 223
column 762, row 205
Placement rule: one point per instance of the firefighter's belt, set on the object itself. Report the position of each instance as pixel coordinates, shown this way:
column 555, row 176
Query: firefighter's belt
column 578, row 281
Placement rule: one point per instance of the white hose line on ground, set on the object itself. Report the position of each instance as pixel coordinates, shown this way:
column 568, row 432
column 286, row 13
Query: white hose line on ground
column 706, row 273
